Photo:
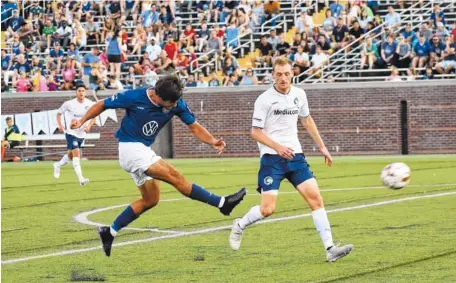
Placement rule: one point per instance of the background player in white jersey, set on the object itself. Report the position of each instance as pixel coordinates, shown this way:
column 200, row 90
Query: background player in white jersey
column 74, row 109
column 274, row 127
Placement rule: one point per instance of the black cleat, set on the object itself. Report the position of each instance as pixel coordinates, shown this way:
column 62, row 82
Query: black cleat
column 232, row 200
column 106, row 239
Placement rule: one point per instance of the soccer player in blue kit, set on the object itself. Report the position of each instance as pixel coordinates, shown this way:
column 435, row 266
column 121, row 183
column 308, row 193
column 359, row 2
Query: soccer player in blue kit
column 147, row 112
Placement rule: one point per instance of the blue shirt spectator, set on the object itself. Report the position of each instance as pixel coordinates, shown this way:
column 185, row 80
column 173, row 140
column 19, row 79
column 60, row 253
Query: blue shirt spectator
column 422, row 48
column 392, row 18
column 88, row 59
column 55, row 53
column 336, row 8
column 437, row 14
column 232, row 32
column 389, row 48
column 5, row 62
column 409, row 34
column 16, row 22
column 23, row 67
column 150, row 17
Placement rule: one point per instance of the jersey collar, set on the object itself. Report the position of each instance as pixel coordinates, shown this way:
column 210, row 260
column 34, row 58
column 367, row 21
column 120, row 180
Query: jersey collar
column 150, row 99
column 281, row 93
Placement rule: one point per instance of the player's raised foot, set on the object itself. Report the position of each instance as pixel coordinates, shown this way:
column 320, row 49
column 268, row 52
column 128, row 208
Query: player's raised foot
column 106, row 239
column 235, row 236
column 56, row 171
column 84, row 182
column 232, row 200
column 336, row 252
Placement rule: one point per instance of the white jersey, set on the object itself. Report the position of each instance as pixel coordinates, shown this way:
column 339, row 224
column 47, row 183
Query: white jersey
column 73, row 109
column 277, row 114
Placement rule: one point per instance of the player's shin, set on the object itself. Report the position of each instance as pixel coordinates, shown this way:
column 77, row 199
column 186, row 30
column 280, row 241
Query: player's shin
column 200, row 194
column 321, row 222
column 77, row 167
column 63, row 161
column 254, row 215
column 125, row 217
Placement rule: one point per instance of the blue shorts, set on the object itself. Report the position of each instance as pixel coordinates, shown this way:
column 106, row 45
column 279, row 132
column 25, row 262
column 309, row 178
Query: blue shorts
column 274, row 169
column 73, row 142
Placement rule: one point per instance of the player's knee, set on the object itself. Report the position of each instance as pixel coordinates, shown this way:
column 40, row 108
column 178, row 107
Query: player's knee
column 267, row 210
column 150, row 203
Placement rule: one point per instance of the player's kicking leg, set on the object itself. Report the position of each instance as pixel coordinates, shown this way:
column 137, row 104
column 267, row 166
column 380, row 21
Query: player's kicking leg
column 143, row 165
column 57, row 165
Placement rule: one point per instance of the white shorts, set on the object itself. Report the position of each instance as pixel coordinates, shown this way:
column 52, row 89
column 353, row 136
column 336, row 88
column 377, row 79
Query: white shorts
column 136, row 158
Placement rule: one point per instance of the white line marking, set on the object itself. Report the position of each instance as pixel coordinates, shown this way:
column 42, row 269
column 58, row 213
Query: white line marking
column 215, row 229
column 83, row 216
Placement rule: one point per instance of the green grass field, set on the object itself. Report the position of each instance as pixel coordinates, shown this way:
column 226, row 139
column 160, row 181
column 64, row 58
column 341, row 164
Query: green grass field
column 405, row 241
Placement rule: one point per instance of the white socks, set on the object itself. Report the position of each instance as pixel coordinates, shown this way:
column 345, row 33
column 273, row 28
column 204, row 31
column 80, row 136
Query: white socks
column 322, row 224
column 63, row 161
column 77, row 168
column 113, row 232
column 251, row 217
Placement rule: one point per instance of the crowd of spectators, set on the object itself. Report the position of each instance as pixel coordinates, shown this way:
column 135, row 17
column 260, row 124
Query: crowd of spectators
column 119, row 44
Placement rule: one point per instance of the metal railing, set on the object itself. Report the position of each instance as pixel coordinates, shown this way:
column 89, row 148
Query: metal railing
column 339, row 59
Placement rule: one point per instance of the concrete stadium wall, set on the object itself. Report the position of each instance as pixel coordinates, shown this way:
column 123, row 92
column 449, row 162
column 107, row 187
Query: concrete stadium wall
column 353, row 119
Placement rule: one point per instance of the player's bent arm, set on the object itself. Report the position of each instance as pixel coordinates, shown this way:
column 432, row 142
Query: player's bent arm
column 309, row 124
column 93, row 112
column 59, row 121
column 258, row 135
column 201, row 133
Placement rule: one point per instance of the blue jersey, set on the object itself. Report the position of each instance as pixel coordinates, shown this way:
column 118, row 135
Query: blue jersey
column 144, row 119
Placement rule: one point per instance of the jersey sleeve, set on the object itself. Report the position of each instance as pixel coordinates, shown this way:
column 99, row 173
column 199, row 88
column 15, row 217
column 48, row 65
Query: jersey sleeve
column 184, row 113
column 304, row 108
column 63, row 108
column 119, row 100
column 260, row 112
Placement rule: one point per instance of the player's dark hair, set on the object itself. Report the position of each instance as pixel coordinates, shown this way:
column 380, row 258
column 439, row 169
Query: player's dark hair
column 169, row 88
column 80, row 84
column 9, row 118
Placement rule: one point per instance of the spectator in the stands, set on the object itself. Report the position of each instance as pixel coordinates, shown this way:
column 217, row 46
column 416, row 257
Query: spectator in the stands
column 437, row 48
column 273, row 39
column 48, row 31
column 150, row 18
column 181, row 64
column 92, row 29
column 441, row 31
column 171, row 48
column 39, row 81
column 392, row 19
column 203, row 9
column 191, row 81
column 329, row 22
column 107, row 28
column 448, row 63
column 364, row 19
column 421, row 52
column 304, row 23
column 36, row 64
column 68, row 75
column 336, row 8
column 23, row 83
column 369, row 54
column 411, row 74
column 16, row 45
column 409, row 34
column 213, row 82
column 429, row 74
column 214, row 43
column 249, row 78
column 80, row 35
column 74, row 53
column 96, row 77
column 14, row 24
column 404, row 53
column 114, row 51
column 201, row 82
column 190, row 35
column 319, row 60
column 153, row 49
column 114, row 83
column 394, row 77
column 426, row 31
column 265, row 54
column 64, row 34
column 130, row 7
column 22, row 66
column 53, row 83
column 365, row 7
column 271, row 9
column 165, row 17
column 355, row 33
column 283, row 47
column 244, row 21
column 388, row 53
column 353, row 12
column 87, row 60
column 257, row 13
column 340, row 35
column 229, row 5
column 453, row 32
column 229, row 69
column 202, row 36
column 437, row 15
column 215, row 8
column 324, row 44
column 7, row 66
column 232, row 81
column 232, row 33
column 301, row 61
column 55, row 57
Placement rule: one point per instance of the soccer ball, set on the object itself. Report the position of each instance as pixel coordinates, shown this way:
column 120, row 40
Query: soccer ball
column 396, row 175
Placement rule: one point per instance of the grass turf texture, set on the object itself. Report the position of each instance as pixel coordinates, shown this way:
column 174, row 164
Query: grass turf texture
column 410, row 241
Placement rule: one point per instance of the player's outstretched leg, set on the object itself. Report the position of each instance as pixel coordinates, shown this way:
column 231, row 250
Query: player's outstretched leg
column 59, row 164
column 150, row 191
column 162, row 170
column 309, row 190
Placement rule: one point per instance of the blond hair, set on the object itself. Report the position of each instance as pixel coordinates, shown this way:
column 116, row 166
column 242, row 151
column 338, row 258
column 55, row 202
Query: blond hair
column 282, row 61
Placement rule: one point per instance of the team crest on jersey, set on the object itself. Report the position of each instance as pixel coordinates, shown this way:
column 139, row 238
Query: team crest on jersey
column 296, row 101
column 268, row 180
column 150, row 128
column 75, row 143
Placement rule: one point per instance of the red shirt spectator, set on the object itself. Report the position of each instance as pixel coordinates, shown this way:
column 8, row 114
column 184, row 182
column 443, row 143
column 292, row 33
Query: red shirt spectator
column 182, row 61
column 453, row 32
column 190, row 31
column 171, row 48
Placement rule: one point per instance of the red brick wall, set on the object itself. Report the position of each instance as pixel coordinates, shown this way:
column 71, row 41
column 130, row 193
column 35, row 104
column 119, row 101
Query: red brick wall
column 352, row 118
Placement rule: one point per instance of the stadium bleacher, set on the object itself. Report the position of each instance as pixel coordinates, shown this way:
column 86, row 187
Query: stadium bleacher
column 145, row 50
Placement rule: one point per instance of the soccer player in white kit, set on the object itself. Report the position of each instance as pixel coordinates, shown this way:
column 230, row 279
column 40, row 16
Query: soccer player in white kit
column 74, row 109
column 274, row 127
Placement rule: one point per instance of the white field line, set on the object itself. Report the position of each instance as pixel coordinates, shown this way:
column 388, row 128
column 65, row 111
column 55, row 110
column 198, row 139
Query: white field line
column 215, row 229
column 83, row 216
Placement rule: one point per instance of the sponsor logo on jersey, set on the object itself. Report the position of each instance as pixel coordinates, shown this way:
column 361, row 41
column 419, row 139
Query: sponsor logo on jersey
column 296, row 101
column 286, row 112
column 150, row 128
column 268, row 180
